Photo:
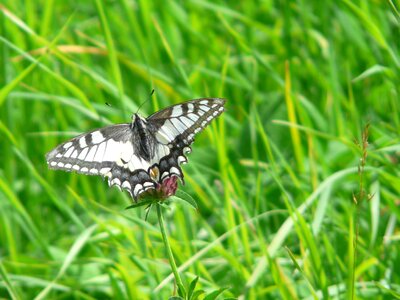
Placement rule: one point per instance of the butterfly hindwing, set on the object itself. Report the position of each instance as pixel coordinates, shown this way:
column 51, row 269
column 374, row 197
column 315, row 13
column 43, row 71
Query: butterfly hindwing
column 176, row 127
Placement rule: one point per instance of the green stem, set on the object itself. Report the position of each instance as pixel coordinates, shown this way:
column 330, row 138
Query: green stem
column 169, row 251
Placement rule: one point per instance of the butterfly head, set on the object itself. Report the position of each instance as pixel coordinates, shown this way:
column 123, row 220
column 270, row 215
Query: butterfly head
column 138, row 121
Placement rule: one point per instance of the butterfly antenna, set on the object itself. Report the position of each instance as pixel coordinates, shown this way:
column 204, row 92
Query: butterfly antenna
column 140, row 106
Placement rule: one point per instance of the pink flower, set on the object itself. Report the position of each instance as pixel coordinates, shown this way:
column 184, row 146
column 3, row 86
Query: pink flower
column 165, row 189
column 168, row 187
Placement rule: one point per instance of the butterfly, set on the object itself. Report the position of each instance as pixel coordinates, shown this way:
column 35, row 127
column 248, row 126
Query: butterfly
column 141, row 155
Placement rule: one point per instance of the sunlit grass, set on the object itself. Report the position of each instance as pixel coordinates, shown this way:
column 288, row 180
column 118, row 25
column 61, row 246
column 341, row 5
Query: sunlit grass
column 275, row 178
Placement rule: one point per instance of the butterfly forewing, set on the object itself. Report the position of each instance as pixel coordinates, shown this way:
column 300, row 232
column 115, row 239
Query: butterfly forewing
column 91, row 152
column 182, row 121
column 117, row 152
column 108, row 152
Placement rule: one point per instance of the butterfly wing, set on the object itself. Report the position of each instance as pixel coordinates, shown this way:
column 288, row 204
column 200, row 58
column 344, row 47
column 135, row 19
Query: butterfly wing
column 176, row 127
column 108, row 152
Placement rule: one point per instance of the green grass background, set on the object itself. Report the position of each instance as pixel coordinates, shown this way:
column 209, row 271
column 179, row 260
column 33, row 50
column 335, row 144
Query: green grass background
column 276, row 178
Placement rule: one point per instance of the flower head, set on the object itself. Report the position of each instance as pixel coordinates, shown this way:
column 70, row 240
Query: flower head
column 168, row 186
column 165, row 189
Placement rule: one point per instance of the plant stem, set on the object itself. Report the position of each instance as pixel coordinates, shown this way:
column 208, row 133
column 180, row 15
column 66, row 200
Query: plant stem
column 169, row 251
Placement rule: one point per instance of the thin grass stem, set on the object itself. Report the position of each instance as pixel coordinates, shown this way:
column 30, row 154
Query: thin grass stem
column 171, row 259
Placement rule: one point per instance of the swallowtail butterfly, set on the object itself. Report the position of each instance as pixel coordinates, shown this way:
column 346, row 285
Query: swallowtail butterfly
column 139, row 155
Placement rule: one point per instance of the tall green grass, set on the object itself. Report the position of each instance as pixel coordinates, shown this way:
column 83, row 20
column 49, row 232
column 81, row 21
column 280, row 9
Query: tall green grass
column 286, row 208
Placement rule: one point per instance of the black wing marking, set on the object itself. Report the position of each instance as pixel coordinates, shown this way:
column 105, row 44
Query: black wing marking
column 108, row 152
column 176, row 127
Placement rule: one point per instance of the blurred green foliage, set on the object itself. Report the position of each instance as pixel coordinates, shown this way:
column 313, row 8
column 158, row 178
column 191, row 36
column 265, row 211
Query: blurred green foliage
column 276, row 178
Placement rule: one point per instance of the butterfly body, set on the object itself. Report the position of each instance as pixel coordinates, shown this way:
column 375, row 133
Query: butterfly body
column 143, row 135
column 138, row 156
